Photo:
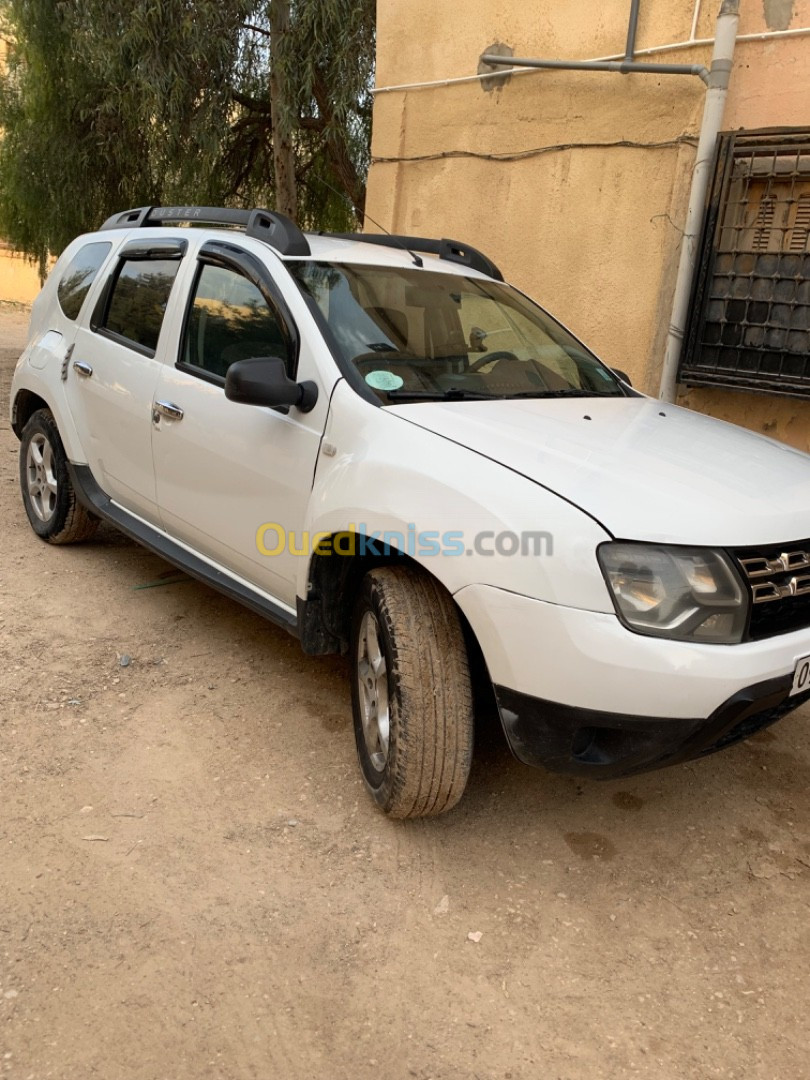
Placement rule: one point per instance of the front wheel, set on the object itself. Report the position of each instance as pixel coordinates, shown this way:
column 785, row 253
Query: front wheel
column 411, row 695
column 50, row 502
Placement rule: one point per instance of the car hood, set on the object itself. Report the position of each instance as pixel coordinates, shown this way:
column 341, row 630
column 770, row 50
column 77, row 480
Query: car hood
column 645, row 470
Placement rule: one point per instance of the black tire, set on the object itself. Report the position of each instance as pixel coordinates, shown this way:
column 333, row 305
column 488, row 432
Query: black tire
column 57, row 515
column 429, row 699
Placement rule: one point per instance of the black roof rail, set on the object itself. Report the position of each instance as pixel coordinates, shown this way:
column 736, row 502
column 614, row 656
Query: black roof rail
column 277, row 230
column 449, row 250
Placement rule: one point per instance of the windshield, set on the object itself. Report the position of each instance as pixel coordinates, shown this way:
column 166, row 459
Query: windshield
column 423, row 334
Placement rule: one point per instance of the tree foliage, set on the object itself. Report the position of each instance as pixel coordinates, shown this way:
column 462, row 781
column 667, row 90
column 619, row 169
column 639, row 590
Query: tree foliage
column 107, row 104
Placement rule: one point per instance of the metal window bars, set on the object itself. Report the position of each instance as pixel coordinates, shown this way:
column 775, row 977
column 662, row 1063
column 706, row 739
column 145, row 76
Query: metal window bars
column 750, row 321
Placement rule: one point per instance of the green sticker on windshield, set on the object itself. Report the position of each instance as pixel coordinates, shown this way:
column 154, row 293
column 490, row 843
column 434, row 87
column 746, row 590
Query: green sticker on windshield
column 384, row 380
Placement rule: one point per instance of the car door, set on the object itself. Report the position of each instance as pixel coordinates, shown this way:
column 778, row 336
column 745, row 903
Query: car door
column 224, row 470
column 114, row 369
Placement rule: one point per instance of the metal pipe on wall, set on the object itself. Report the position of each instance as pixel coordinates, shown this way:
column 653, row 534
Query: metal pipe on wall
column 625, row 67
column 622, row 66
column 722, row 60
column 695, row 20
column 675, row 46
column 630, row 51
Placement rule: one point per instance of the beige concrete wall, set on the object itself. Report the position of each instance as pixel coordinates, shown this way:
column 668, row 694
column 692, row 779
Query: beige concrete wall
column 19, row 279
column 576, row 183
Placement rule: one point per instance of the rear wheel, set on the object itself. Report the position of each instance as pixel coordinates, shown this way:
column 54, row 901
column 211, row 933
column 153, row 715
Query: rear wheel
column 50, row 501
column 413, row 706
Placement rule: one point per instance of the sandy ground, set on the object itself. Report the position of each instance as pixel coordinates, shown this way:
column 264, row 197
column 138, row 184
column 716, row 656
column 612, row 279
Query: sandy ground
column 193, row 883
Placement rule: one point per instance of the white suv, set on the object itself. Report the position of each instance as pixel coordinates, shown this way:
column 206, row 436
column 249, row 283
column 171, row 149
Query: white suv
column 380, row 446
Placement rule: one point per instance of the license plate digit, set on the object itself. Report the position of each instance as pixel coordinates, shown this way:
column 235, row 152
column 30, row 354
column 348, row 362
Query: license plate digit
column 801, row 676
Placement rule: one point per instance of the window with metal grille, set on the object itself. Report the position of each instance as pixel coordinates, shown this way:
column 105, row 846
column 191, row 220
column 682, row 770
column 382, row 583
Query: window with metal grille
column 750, row 317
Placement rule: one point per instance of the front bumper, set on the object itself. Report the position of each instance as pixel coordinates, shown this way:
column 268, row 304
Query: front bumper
column 589, row 742
column 580, row 693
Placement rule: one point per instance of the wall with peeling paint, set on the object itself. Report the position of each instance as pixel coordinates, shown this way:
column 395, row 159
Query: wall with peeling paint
column 778, row 13
column 576, row 183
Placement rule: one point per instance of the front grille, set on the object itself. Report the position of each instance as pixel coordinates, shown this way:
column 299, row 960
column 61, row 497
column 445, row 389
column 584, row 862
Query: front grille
column 778, row 580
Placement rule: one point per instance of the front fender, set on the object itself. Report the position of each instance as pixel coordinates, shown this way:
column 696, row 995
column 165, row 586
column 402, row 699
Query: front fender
column 454, row 512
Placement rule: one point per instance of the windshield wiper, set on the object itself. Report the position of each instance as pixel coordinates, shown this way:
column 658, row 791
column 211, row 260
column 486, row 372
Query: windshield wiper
column 571, row 392
column 458, row 394
column 455, row 394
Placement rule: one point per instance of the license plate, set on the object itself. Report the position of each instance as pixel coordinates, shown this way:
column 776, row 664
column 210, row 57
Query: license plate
column 801, row 676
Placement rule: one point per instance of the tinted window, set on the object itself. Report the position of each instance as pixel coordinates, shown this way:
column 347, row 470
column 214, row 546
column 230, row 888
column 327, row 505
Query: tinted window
column 230, row 320
column 138, row 302
column 81, row 273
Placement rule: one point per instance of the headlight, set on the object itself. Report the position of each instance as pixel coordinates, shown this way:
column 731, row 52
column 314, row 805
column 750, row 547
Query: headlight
column 690, row 594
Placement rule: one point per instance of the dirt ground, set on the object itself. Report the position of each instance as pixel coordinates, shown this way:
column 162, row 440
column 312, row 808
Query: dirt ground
column 193, row 883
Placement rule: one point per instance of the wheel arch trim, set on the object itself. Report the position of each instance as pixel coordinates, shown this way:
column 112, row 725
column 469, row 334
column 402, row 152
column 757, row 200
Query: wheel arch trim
column 324, row 615
column 23, row 390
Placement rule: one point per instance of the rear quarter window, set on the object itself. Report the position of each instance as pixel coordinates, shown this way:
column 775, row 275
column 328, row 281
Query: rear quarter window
column 79, row 275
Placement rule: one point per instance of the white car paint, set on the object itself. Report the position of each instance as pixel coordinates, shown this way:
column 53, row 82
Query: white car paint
column 214, row 493
column 388, row 474
column 645, row 470
column 113, row 409
column 589, row 660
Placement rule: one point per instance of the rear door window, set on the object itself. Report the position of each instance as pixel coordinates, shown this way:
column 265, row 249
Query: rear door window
column 80, row 274
column 138, row 301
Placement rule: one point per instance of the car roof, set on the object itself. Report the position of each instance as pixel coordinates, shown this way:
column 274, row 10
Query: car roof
column 287, row 241
column 323, row 248
column 333, row 249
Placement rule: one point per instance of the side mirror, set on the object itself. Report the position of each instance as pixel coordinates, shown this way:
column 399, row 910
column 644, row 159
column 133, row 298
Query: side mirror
column 622, row 375
column 263, row 380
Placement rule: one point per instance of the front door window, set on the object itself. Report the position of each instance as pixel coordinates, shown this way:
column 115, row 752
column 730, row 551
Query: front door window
column 229, row 320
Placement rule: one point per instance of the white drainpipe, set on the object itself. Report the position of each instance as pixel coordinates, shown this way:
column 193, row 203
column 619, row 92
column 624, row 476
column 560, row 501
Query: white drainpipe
column 722, row 60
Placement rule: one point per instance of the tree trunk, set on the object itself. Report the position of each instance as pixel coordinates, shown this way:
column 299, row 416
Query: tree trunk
column 338, row 152
column 283, row 153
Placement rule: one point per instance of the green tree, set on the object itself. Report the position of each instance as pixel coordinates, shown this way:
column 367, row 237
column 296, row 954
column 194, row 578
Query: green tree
column 113, row 103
